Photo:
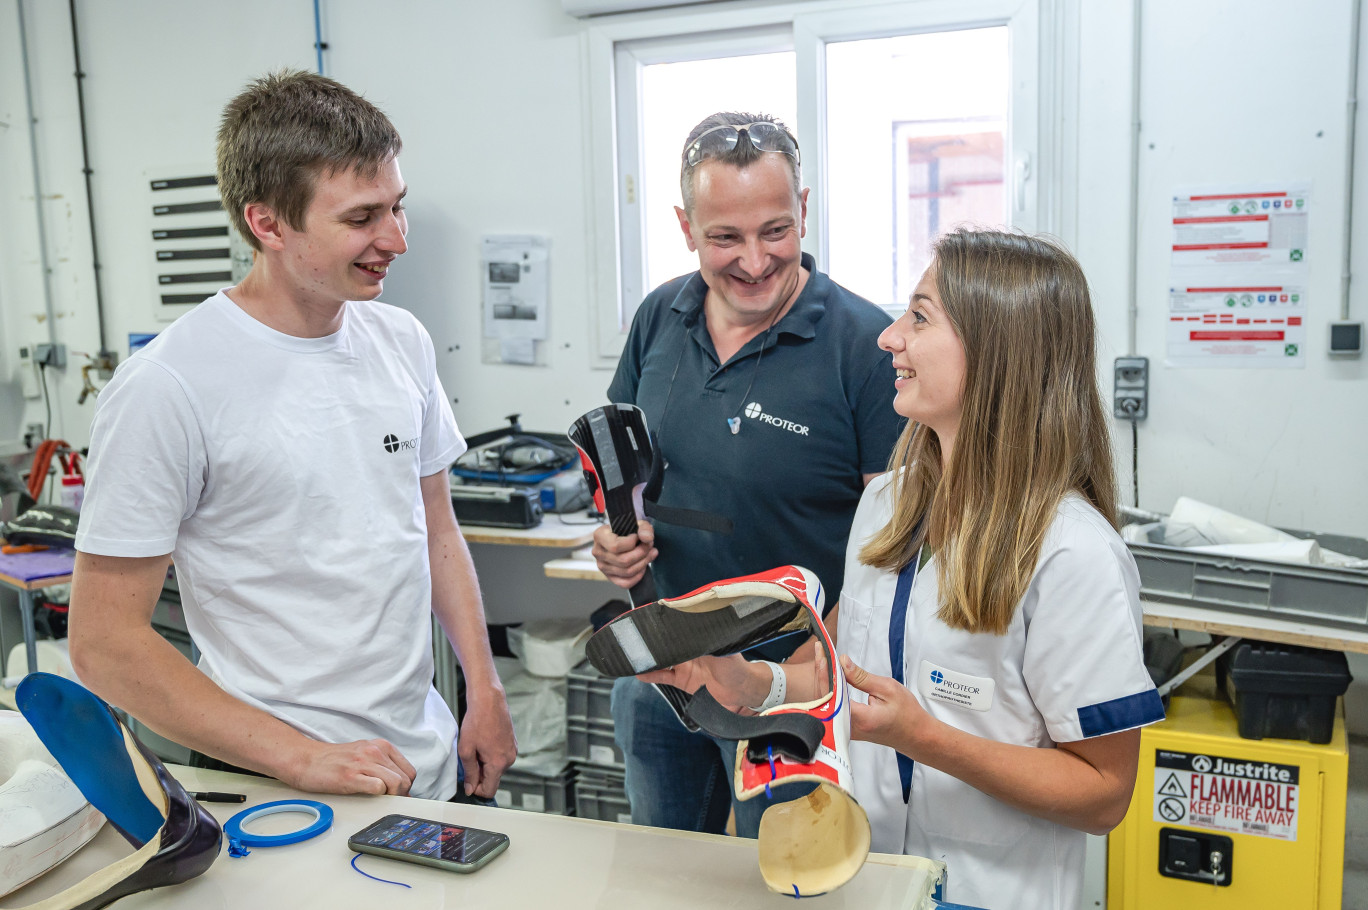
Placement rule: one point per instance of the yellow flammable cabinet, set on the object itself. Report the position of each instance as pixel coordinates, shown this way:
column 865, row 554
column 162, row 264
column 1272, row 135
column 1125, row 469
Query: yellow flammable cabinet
column 1217, row 821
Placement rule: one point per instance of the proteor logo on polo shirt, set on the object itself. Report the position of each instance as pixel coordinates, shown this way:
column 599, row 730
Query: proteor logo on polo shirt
column 755, row 411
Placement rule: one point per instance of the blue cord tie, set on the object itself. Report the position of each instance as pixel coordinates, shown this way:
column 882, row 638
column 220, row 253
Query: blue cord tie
column 235, row 847
column 357, row 856
column 773, row 773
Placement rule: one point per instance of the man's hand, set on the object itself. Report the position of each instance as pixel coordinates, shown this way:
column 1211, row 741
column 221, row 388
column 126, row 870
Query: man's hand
column 893, row 716
column 486, row 745
column 624, row 560
column 371, row 766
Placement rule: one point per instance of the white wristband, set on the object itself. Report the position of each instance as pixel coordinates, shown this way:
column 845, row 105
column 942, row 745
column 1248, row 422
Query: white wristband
column 778, row 687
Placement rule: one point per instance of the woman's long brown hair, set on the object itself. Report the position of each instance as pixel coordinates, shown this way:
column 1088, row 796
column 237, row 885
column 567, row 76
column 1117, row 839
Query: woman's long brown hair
column 1032, row 428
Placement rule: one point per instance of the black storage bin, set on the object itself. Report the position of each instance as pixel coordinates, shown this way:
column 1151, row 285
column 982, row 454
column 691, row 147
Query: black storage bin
column 1163, row 654
column 1283, row 691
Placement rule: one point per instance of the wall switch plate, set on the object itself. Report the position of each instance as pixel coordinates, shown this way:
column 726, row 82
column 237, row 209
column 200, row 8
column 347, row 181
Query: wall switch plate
column 1346, row 339
column 1130, row 393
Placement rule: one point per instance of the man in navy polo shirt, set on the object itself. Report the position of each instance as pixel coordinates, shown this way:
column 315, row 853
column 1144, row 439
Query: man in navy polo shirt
column 772, row 405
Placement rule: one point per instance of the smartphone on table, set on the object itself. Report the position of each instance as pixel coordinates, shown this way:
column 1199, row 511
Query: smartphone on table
column 455, row 848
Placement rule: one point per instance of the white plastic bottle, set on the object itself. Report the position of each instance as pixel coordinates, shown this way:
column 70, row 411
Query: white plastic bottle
column 72, row 491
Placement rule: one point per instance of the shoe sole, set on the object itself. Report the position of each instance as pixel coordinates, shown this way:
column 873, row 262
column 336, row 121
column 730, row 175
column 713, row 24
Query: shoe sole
column 656, row 635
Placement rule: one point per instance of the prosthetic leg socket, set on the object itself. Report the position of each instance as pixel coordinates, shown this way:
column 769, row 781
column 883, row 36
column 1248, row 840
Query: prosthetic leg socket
column 176, row 839
column 809, row 845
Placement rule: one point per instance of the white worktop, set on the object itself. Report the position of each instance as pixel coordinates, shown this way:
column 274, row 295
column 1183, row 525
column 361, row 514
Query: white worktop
column 552, row 862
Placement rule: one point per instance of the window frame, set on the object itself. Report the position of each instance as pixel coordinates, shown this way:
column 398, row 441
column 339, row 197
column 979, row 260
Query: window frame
column 615, row 51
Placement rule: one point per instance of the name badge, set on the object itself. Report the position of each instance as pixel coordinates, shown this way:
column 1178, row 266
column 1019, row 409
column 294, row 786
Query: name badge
column 958, row 689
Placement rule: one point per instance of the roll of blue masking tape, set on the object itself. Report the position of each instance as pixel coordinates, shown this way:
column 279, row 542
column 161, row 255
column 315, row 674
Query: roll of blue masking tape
column 322, row 821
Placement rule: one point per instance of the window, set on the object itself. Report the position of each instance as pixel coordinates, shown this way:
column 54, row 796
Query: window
column 912, row 118
column 920, row 157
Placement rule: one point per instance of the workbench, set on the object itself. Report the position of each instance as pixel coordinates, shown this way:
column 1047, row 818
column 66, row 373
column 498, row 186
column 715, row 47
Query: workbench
column 29, row 572
column 573, row 529
column 552, row 861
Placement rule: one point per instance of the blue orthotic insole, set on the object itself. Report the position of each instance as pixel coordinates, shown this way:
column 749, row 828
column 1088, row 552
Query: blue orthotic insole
column 81, row 733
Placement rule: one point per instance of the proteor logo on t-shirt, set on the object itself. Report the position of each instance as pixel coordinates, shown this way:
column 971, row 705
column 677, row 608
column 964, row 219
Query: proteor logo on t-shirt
column 395, row 444
column 755, row 411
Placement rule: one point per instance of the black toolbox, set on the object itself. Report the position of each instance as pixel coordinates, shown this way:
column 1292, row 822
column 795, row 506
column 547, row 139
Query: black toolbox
column 1283, row 691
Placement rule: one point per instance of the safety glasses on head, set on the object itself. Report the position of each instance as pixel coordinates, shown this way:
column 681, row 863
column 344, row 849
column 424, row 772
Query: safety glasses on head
column 762, row 134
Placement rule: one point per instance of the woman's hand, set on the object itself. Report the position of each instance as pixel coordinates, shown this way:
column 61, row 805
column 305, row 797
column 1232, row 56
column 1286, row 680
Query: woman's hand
column 732, row 680
column 893, row 716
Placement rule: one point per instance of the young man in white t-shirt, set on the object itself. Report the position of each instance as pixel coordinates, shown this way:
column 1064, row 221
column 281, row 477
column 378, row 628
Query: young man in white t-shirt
column 287, row 443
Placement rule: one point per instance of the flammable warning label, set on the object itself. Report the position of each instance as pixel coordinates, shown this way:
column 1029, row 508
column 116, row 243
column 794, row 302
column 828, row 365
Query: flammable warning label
column 1226, row 794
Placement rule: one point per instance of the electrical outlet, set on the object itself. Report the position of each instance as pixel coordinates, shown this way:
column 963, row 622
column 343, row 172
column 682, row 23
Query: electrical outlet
column 1130, row 398
column 52, row 355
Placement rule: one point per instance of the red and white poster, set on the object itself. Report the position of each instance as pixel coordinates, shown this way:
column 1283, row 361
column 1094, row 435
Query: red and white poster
column 1238, row 277
column 1226, row 794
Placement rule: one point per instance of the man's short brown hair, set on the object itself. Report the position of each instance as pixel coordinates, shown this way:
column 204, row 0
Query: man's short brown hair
column 741, row 156
column 286, row 129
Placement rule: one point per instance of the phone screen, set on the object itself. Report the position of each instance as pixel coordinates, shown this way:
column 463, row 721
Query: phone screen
column 420, row 837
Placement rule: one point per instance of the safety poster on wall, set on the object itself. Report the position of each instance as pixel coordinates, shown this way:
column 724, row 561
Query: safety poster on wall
column 1238, row 277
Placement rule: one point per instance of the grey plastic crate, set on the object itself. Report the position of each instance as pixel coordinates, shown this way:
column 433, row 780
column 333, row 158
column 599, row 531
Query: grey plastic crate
column 588, row 695
column 1323, row 593
column 601, row 794
column 591, row 741
column 534, row 793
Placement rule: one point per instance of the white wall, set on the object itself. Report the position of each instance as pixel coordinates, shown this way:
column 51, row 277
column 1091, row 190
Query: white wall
column 491, row 102
column 487, row 97
column 158, row 75
column 1253, row 92
column 23, row 319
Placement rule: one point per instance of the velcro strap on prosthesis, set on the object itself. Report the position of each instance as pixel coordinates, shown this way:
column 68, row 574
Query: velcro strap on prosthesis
column 672, row 515
column 792, row 736
column 688, row 518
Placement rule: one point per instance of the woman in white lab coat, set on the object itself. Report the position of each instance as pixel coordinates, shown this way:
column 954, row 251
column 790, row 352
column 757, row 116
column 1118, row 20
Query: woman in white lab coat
column 990, row 616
